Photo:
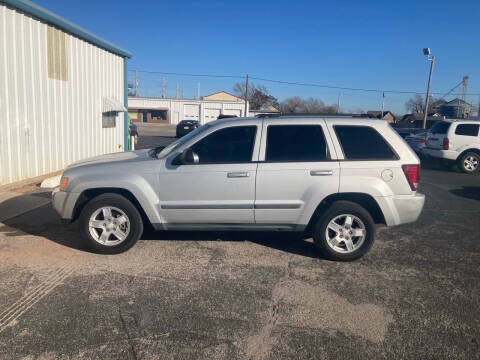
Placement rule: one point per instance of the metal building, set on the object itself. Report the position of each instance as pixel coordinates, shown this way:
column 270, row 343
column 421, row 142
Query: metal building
column 63, row 92
column 172, row 111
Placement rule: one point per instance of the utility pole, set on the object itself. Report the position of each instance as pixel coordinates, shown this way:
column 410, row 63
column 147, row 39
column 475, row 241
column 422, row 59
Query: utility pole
column 163, row 88
column 176, row 93
column 136, row 83
column 427, row 100
column 383, row 103
column 182, row 93
column 198, row 91
column 464, row 87
column 246, row 96
column 478, row 115
column 338, row 102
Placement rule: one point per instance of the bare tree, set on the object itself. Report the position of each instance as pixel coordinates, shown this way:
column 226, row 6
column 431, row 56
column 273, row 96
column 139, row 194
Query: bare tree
column 258, row 96
column 415, row 104
column 292, row 105
column 310, row 105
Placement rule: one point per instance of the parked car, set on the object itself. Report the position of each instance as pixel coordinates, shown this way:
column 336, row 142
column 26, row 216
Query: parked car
column 417, row 141
column 455, row 141
column 404, row 132
column 333, row 178
column 186, row 126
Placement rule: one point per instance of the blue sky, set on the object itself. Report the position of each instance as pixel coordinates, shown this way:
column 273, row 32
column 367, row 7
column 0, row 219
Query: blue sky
column 360, row 44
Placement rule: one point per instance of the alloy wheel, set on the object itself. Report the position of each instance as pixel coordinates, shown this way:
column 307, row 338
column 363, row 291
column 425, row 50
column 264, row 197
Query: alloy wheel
column 345, row 233
column 470, row 163
column 109, row 226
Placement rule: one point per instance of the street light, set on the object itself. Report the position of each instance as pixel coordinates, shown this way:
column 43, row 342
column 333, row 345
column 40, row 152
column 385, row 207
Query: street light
column 427, row 53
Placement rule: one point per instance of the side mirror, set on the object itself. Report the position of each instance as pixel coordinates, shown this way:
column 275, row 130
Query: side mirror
column 187, row 157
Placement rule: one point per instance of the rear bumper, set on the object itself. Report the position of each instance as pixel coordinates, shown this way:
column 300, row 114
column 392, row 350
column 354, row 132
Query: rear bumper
column 401, row 209
column 442, row 154
column 64, row 203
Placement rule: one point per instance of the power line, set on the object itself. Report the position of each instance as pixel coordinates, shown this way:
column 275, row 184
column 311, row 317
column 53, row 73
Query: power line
column 299, row 83
column 345, row 88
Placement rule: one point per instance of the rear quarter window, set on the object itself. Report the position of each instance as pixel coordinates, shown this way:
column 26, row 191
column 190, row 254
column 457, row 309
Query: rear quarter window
column 363, row 143
column 467, row 129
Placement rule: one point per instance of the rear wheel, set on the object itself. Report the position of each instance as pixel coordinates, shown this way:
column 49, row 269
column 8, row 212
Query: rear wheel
column 344, row 232
column 470, row 162
column 110, row 224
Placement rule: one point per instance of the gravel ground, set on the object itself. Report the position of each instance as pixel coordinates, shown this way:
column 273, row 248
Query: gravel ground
column 193, row 295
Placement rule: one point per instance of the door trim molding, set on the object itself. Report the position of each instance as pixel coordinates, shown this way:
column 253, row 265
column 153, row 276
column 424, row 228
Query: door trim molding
column 230, row 206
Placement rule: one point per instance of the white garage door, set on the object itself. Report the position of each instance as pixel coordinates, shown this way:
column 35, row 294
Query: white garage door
column 211, row 114
column 236, row 112
column 191, row 112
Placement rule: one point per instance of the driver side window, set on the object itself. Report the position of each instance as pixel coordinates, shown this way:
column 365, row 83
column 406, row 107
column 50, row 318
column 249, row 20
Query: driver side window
column 228, row 145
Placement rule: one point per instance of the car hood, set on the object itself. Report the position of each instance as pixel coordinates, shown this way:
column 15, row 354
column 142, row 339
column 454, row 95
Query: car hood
column 114, row 158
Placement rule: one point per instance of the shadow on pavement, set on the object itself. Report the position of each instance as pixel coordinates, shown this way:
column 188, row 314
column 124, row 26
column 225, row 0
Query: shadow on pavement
column 295, row 243
column 469, row 192
column 43, row 221
column 436, row 165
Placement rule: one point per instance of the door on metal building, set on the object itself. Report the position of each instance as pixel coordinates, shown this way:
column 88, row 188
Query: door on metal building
column 211, row 114
column 191, row 112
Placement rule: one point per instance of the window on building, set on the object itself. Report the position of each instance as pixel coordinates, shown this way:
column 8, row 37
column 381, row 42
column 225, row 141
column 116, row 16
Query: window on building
column 229, row 145
column 57, row 54
column 467, row 129
column 109, row 119
column 363, row 143
column 296, row 143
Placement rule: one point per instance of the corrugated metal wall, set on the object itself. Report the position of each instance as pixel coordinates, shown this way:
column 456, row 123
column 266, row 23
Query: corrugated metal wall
column 176, row 107
column 46, row 124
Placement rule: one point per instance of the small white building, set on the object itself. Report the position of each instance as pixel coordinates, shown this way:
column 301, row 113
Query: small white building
column 172, row 111
column 63, row 92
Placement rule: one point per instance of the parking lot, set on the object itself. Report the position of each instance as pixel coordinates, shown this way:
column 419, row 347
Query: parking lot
column 194, row 295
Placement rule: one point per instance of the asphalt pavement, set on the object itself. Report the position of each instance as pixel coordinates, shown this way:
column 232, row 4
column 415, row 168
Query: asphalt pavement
column 194, row 295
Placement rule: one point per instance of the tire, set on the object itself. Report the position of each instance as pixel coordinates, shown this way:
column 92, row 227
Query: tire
column 469, row 163
column 124, row 222
column 362, row 223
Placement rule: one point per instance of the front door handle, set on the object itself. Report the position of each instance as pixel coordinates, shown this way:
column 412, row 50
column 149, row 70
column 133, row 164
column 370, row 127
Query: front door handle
column 321, row 172
column 237, row 174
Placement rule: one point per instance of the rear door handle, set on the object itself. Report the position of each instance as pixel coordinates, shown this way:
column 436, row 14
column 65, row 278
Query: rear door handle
column 321, row 172
column 237, row 174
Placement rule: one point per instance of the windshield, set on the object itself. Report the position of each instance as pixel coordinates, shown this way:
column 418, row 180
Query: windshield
column 181, row 141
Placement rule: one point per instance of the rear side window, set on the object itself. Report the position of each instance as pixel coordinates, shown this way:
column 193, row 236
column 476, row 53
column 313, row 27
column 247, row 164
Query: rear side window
column 363, row 143
column 467, row 129
column 440, row 127
column 298, row 143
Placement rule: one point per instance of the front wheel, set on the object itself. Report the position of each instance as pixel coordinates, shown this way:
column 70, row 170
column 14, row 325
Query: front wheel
column 344, row 232
column 110, row 224
column 470, row 162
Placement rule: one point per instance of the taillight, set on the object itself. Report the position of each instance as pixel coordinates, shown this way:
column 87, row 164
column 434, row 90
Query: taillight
column 446, row 143
column 421, row 140
column 412, row 173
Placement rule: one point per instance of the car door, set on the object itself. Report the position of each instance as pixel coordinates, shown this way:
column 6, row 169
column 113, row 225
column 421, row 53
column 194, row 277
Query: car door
column 296, row 170
column 220, row 188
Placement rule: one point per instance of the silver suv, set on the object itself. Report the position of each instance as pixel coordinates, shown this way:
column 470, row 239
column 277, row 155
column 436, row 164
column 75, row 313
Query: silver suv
column 333, row 178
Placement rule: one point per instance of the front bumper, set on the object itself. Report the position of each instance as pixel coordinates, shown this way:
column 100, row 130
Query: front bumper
column 64, row 203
